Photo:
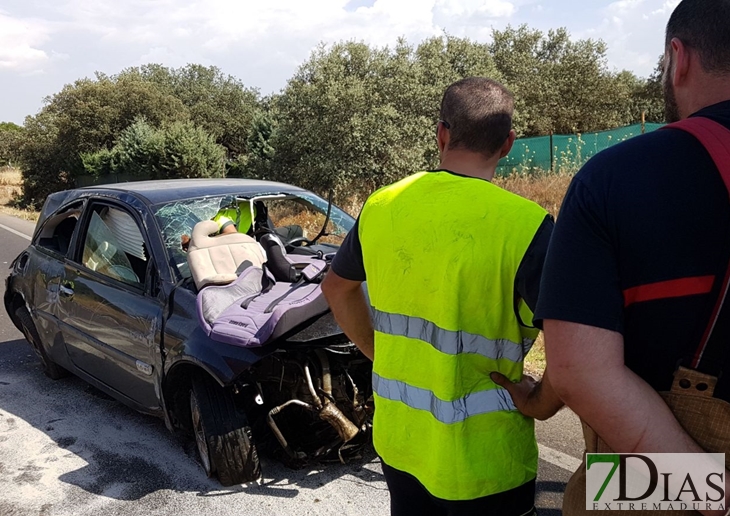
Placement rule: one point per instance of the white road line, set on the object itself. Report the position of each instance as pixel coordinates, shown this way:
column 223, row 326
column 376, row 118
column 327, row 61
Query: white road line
column 14, row 231
column 558, row 458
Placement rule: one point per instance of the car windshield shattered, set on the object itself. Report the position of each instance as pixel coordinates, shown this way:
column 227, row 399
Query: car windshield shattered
column 294, row 215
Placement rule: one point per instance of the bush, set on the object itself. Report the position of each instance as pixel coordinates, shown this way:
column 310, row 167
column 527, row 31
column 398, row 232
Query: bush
column 178, row 150
column 188, row 151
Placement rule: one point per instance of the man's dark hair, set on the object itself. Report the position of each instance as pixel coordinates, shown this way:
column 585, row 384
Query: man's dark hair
column 703, row 25
column 478, row 113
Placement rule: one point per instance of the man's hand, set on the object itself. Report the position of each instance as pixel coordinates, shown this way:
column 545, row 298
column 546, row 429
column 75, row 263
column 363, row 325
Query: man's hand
column 520, row 391
column 534, row 399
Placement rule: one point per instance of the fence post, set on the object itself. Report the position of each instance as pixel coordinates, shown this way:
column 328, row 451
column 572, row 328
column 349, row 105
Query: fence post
column 643, row 121
column 552, row 157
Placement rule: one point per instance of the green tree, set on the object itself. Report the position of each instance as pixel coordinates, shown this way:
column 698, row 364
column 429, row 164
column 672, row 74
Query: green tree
column 260, row 149
column 649, row 95
column 83, row 118
column 43, row 161
column 11, row 138
column 189, row 151
column 560, row 85
column 354, row 116
column 218, row 103
column 335, row 126
column 79, row 124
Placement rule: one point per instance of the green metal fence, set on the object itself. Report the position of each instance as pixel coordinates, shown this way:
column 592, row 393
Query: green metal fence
column 564, row 153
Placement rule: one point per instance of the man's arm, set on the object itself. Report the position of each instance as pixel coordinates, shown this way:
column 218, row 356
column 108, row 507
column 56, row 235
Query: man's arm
column 348, row 304
column 589, row 374
column 342, row 287
column 534, row 399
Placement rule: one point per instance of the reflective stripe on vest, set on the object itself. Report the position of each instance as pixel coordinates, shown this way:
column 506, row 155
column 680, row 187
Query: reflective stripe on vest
column 447, row 341
column 447, row 412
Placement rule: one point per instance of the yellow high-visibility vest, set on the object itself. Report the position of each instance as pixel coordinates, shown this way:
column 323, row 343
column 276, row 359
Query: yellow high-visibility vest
column 441, row 253
column 240, row 217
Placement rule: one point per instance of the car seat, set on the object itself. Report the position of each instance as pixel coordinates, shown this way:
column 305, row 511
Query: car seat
column 218, row 260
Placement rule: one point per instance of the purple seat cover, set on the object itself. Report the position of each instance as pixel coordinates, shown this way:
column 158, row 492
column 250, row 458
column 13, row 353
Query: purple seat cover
column 254, row 326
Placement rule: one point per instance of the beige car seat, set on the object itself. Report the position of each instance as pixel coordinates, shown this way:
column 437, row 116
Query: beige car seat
column 216, row 260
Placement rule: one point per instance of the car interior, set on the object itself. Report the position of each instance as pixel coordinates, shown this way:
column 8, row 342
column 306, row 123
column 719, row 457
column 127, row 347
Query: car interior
column 57, row 232
column 114, row 246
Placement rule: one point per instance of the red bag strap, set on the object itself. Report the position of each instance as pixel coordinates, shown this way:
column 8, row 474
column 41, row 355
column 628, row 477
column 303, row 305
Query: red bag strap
column 715, row 138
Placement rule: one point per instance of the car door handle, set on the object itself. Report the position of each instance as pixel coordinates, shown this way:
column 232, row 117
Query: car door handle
column 66, row 291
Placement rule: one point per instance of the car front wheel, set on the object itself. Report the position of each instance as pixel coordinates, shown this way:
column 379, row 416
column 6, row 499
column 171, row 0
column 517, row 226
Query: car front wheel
column 51, row 369
column 222, row 434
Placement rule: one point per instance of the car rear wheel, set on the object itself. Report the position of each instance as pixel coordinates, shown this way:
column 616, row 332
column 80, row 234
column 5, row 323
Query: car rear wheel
column 51, row 369
column 222, row 434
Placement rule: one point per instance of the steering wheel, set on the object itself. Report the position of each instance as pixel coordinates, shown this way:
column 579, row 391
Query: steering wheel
column 298, row 240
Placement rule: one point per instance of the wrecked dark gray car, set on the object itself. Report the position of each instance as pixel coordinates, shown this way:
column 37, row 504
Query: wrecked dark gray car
column 104, row 292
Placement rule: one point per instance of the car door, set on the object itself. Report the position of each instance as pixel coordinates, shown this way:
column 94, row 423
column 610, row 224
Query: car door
column 109, row 315
column 42, row 264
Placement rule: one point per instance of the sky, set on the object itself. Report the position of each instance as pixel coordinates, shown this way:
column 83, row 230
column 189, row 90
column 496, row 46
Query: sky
column 45, row 44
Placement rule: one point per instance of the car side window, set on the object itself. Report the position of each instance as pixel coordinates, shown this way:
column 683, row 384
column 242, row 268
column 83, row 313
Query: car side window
column 114, row 246
column 59, row 229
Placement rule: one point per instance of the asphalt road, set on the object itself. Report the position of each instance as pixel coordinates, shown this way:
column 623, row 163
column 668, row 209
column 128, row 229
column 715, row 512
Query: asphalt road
column 68, row 449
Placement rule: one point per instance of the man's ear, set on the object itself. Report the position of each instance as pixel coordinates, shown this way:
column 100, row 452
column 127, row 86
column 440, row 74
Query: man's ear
column 681, row 62
column 442, row 137
column 508, row 143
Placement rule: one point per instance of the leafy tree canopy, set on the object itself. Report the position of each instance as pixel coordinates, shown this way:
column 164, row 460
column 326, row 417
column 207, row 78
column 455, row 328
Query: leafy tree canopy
column 354, row 115
column 179, row 150
column 218, row 103
column 10, row 127
column 91, row 114
column 561, row 86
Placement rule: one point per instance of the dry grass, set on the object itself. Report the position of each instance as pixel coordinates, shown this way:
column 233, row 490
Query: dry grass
column 11, row 181
column 545, row 189
column 10, row 177
column 535, row 359
column 289, row 213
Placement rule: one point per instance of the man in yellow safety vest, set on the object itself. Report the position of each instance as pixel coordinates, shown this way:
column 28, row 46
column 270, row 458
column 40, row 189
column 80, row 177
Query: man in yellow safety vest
column 235, row 219
column 453, row 266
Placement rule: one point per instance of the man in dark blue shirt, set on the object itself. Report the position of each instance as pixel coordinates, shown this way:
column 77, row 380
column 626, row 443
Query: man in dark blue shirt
column 638, row 257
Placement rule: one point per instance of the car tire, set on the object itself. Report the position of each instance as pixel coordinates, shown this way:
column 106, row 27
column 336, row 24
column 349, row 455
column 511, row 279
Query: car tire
column 222, row 434
column 51, row 369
